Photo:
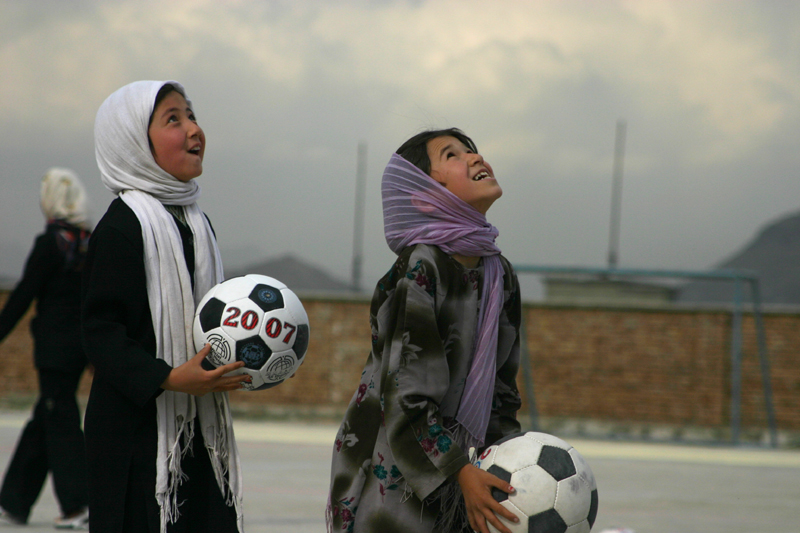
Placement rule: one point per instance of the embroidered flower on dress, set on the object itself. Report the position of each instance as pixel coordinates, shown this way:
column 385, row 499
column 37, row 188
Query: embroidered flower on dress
column 345, row 438
column 387, row 480
column 347, row 513
column 472, row 276
column 409, row 350
column 347, row 517
column 423, row 280
column 362, row 390
column 436, row 441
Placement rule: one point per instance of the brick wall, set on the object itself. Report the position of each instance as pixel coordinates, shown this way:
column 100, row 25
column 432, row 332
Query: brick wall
column 660, row 366
column 18, row 377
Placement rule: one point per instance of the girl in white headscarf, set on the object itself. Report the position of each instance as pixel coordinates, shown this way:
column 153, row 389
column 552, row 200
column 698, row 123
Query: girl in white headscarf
column 52, row 440
column 160, row 445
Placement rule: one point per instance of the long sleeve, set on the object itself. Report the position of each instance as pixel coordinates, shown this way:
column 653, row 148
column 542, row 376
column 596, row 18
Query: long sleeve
column 398, row 446
column 42, row 262
column 117, row 328
column 417, row 382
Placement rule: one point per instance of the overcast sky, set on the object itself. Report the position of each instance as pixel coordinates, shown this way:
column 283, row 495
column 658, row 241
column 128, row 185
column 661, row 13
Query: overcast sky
column 285, row 91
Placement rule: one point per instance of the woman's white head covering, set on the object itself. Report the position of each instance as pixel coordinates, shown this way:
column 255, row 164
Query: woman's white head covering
column 122, row 145
column 128, row 169
column 62, row 197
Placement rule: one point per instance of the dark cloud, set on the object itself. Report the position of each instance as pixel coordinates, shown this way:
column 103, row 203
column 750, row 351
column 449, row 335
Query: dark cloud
column 286, row 91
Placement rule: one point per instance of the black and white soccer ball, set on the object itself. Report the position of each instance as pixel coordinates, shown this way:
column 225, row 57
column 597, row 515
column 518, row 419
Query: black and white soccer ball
column 255, row 319
column 555, row 489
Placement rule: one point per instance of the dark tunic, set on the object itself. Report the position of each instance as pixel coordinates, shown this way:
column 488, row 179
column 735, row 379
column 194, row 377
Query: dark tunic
column 52, row 277
column 52, row 440
column 395, row 450
column 120, row 424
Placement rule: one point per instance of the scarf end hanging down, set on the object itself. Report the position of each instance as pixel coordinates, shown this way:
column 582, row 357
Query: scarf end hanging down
column 167, row 496
column 224, row 456
column 220, row 446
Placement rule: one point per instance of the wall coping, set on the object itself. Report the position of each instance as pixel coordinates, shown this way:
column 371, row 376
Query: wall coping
column 677, row 307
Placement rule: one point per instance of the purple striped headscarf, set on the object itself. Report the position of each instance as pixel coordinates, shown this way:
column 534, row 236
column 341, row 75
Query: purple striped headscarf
column 419, row 210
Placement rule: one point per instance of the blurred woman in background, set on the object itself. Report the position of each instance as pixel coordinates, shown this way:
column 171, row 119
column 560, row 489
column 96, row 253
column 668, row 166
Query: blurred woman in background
column 52, row 441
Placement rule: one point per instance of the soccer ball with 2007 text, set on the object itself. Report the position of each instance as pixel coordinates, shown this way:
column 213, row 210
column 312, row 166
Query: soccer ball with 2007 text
column 256, row 319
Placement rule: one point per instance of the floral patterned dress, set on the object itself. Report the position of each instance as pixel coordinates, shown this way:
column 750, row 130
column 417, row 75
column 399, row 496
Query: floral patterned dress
column 395, row 453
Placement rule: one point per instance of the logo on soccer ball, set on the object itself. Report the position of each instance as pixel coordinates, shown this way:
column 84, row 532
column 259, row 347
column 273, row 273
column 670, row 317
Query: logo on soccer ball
column 220, row 350
column 253, row 355
column 267, row 295
column 280, row 368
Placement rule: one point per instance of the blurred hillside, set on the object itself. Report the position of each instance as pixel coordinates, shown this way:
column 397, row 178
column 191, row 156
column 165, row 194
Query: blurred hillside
column 297, row 274
column 774, row 255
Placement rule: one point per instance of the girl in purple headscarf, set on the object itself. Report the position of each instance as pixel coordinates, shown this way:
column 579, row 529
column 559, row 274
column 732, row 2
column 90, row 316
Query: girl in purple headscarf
column 440, row 379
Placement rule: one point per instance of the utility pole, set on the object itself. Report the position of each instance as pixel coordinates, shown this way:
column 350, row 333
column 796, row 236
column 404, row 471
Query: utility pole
column 358, row 226
column 616, row 195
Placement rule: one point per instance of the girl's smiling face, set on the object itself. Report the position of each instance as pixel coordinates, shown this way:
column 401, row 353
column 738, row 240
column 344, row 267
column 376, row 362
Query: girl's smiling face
column 178, row 143
column 463, row 172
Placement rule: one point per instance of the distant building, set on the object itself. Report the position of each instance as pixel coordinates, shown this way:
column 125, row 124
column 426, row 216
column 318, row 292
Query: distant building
column 591, row 289
column 295, row 273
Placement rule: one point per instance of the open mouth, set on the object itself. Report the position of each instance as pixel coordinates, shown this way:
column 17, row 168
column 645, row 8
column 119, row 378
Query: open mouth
column 481, row 175
column 195, row 150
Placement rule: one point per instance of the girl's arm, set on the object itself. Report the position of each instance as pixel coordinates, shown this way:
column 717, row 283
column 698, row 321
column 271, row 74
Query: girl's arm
column 41, row 264
column 476, row 486
column 416, row 378
column 192, row 378
column 117, row 328
column 417, row 381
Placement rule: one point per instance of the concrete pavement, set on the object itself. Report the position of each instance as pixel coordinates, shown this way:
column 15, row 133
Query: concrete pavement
column 648, row 488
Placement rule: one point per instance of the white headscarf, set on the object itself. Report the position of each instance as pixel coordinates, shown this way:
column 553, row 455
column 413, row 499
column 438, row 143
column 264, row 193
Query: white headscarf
column 62, row 197
column 128, row 169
